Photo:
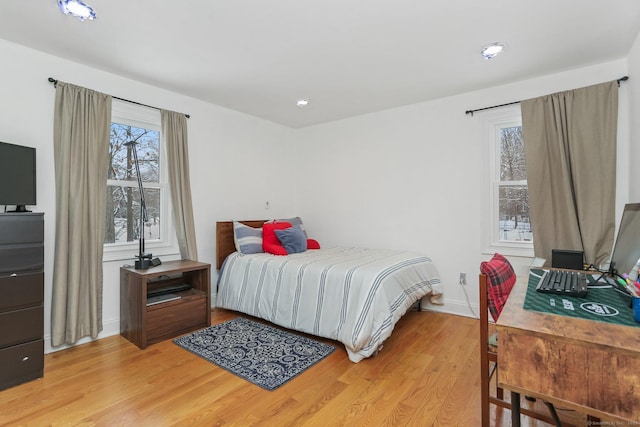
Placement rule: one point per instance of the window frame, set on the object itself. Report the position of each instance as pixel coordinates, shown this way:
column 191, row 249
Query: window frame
column 147, row 118
column 491, row 243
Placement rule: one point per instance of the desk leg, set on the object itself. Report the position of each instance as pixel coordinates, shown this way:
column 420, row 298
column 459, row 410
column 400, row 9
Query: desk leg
column 515, row 409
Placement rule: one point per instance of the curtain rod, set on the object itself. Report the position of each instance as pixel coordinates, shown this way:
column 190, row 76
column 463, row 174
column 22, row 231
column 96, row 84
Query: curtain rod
column 55, row 82
column 621, row 79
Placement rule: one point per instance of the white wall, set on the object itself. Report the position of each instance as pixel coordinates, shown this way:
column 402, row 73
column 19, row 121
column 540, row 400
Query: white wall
column 406, row 178
column 237, row 161
column 634, row 114
column 411, row 177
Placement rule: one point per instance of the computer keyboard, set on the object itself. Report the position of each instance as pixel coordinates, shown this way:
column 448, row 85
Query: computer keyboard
column 569, row 283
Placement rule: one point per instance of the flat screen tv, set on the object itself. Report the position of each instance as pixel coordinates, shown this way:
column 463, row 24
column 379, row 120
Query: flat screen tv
column 17, row 176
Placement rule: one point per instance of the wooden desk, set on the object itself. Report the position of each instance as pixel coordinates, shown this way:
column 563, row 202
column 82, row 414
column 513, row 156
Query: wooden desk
column 589, row 366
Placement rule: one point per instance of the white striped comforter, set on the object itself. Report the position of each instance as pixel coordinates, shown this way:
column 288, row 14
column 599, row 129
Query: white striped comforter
column 352, row 295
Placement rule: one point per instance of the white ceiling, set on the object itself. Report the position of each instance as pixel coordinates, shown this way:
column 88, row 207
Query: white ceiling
column 348, row 57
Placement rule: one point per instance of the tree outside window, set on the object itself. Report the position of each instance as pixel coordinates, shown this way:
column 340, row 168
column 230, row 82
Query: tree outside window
column 123, row 197
column 513, row 197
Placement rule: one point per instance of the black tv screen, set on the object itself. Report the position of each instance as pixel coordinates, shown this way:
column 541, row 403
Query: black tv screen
column 17, row 176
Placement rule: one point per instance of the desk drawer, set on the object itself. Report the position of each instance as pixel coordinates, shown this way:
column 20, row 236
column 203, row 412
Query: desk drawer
column 21, row 363
column 16, row 258
column 20, row 326
column 21, row 291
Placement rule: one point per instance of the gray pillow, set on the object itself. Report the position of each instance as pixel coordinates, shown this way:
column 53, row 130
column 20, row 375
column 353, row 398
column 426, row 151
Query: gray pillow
column 295, row 221
column 292, row 239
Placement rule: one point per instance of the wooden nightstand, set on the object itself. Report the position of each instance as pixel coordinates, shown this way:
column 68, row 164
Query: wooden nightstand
column 144, row 324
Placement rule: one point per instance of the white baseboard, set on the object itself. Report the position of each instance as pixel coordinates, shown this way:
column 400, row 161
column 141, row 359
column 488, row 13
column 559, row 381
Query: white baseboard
column 112, row 327
column 109, row 328
column 459, row 308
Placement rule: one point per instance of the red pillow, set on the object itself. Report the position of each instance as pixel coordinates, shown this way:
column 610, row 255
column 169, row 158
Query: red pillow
column 270, row 242
column 313, row 244
column 500, row 281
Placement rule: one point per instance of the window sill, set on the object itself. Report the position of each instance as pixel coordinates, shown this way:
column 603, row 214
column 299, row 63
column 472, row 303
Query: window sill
column 506, row 249
column 130, row 251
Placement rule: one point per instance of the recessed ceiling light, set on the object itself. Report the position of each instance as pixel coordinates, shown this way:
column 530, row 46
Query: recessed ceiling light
column 491, row 50
column 77, row 8
column 302, row 102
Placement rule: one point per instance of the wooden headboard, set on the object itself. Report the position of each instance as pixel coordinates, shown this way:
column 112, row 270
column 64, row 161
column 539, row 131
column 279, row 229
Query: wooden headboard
column 225, row 245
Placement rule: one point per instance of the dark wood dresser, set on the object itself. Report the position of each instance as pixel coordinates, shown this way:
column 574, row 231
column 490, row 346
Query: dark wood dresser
column 21, row 298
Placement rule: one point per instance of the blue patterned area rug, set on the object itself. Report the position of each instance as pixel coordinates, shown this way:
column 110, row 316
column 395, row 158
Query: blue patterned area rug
column 261, row 354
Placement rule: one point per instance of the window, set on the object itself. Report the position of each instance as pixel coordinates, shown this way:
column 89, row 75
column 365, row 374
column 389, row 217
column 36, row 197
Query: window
column 141, row 125
column 123, row 195
column 508, row 225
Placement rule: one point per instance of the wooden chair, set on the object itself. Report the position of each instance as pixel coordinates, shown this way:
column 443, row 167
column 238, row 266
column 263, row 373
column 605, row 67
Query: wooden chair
column 493, row 296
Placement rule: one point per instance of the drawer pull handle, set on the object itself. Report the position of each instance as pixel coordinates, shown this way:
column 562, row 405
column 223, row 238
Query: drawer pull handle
column 24, row 359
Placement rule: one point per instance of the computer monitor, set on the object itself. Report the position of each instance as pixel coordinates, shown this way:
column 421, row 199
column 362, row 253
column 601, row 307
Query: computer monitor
column 626, row 250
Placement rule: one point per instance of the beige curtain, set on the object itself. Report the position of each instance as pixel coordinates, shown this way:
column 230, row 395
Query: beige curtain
column 570, row 147
column 174, row 131
column 82, row 120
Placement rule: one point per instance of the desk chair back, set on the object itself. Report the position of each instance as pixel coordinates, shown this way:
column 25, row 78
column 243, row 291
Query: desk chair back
column 497, row 278
column 488, row 357
column 500, row 280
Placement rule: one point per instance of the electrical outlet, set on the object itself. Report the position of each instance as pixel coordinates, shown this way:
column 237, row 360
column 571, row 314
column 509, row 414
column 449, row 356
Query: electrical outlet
column 463, row 279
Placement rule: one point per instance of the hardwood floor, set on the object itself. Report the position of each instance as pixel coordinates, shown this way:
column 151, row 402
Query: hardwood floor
column 427, row 374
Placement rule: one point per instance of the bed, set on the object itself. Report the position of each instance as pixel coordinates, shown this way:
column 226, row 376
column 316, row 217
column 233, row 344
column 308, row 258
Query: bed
column 352, row 295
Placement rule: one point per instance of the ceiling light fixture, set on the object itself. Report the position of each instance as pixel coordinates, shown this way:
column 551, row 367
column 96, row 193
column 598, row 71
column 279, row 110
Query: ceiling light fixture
column 77, row 8
column 491, row 50
column 302, row 102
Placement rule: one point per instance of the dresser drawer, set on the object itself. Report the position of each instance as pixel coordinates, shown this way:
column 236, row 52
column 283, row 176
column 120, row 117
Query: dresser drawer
column 21, row 363
column 20, row 326
column 21, row 228
column 21, row 290
column 16, row 258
